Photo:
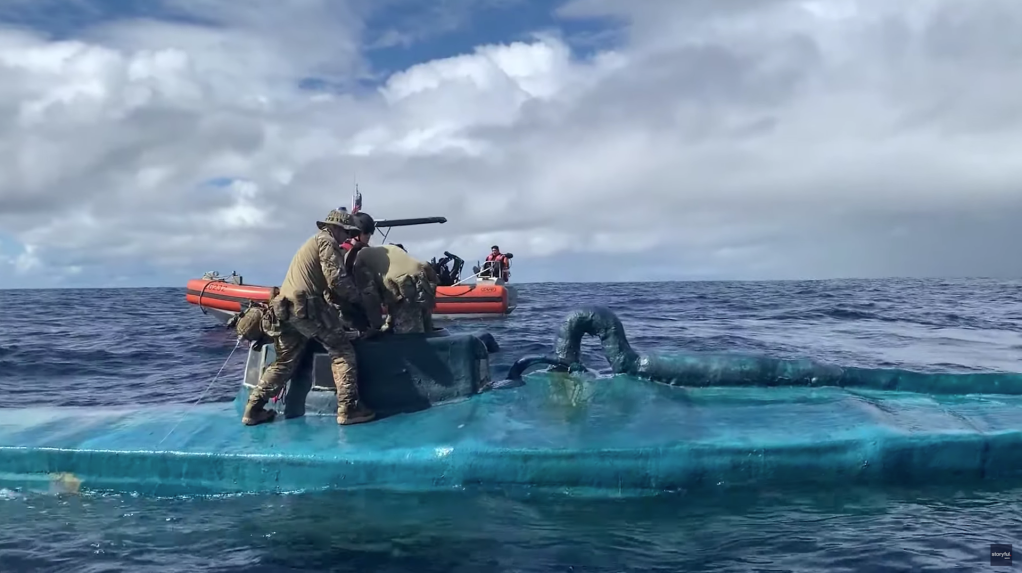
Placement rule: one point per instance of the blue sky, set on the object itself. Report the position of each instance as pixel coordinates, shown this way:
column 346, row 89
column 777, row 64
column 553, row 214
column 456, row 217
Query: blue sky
column 150, row 141
column 496, row 22
column 399, row 33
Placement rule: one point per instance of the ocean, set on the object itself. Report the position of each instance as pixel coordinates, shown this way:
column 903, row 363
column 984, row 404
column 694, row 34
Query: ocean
column 144, row 346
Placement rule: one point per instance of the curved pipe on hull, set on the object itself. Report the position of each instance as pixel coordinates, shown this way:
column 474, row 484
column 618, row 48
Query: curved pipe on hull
column 702, row 370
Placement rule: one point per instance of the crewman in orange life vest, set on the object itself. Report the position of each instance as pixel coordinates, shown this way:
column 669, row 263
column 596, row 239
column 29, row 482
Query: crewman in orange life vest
column 499, row 262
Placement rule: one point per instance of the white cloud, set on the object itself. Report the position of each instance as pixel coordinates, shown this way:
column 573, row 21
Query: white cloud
column 755, row 138
column 27, row 260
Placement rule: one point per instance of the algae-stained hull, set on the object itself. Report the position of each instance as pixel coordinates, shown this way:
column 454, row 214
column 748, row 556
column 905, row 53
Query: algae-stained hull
column 440, row 429
column 612, row 436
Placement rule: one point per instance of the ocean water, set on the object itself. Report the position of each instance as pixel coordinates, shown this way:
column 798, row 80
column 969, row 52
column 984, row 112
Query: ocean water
column 120, row 347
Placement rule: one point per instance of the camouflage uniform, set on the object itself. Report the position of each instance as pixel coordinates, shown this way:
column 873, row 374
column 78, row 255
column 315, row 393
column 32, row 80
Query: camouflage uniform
column 301, row 312
column 407, row 287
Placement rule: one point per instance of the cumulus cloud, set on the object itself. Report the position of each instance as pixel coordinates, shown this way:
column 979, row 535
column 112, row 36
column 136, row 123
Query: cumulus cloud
column 745, row 139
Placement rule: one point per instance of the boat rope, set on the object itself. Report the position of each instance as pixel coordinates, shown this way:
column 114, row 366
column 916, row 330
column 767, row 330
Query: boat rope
column 202, row 292
column 206, row 391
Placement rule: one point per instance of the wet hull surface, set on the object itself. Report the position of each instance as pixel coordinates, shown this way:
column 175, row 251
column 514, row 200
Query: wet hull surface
column 605, row 435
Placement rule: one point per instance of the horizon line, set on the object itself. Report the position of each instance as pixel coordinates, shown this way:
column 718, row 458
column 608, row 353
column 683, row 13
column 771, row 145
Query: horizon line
column 538, row 283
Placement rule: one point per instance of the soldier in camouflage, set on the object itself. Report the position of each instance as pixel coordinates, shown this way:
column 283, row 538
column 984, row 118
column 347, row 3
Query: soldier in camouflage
column 301, row 312
column 390, row 277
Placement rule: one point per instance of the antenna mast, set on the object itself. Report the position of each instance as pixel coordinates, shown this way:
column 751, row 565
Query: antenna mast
column 356, row 200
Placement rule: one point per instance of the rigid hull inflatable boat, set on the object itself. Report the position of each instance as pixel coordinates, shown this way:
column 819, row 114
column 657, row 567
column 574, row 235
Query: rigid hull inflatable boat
column 444, row 423
column 225, row 297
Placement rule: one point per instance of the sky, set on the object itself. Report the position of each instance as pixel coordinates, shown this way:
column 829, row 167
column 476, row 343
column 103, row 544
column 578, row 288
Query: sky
column 145, row 142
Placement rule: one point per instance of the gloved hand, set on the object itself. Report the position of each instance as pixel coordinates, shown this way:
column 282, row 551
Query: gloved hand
column 370, row 334
column 258, row 345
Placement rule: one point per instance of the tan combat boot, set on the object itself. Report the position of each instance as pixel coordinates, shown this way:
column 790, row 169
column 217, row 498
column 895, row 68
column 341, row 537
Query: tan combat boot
column 354, row 414
column 255, row 414
column 350, row 410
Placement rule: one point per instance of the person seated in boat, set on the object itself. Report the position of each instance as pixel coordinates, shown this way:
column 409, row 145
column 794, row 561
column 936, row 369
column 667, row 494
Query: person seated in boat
column 440, row 269
column 388, row 276
column 450, row 276
column 497, row 264
column 301, row 312
column 443, row 273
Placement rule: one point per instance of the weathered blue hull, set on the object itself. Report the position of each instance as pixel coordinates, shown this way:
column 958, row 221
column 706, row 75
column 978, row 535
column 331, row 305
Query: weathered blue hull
column 441, row 427
column 610, row 435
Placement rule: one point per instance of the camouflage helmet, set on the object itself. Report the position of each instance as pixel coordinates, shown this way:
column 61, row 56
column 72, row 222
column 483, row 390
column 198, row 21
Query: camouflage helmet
column 338, row 218
column 250, row 324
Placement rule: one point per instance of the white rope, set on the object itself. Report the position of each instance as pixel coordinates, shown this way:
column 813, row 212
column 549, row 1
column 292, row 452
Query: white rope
column 206, row 391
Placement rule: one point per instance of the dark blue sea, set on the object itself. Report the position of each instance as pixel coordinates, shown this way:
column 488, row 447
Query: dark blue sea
column 117, row 347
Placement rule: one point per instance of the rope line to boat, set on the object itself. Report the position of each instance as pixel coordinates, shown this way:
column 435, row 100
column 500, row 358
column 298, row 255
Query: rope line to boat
column 202, row 292
column 206, row 391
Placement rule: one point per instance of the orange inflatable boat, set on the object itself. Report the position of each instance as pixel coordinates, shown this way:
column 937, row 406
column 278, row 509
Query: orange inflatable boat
column 224, row 297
